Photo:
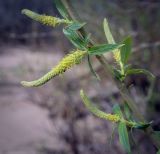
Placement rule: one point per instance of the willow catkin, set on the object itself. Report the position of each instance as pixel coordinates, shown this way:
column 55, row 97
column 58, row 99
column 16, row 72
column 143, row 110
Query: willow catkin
column 117, row 55
column 44, row 19
column 92, row 108
column 66, row 63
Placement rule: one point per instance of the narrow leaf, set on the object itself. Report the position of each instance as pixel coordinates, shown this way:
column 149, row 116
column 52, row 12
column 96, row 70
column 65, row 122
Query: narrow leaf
column 127, row 111
column 158, row 152
column 91, row 69
column 126, row 50
column 150, row 76
column 142, row 126
column 111, row 40
column 87, row 39
column 117, row 74
column 123, row 137
column 61, row 8
column 75, row 26
column 107, row 32
column 140, row 71
column 75, row 39
column 100, row 49
column 117, row 110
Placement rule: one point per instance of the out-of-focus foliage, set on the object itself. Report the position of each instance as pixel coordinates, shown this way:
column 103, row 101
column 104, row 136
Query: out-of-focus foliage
column 141, row 18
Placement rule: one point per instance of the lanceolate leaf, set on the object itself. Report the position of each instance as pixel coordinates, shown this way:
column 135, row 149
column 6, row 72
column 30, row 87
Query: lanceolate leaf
column 140, row 71
column 123, row 137
column 122, row 130
column 117, row 110
column 107, row 31
column 117, row 74
column 87, row 39
column 126, row 50
column 148, row 74
column 75, row 39
column 100, row 49
column 75, row 26
column 142, row 126
column 61, row 8
column 127, row 111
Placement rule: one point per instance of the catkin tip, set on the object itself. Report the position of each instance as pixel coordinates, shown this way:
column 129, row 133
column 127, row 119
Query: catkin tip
column 81, row 93
column 25, row 84
column 24, row 11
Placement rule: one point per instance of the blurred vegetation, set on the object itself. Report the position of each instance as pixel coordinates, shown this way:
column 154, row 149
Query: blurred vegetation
column 138, row 18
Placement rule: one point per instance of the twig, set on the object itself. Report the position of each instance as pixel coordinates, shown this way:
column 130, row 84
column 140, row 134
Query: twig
column 108, row 69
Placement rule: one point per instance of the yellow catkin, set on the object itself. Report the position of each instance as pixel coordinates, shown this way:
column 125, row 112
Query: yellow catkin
column 48, row 20
column 66, row 63
column 92, row 108
column 112, row 117
column 117, row 56
column 44, row 19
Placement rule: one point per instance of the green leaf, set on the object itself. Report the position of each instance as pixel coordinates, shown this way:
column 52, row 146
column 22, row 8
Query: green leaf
column 100, row 49
column 127, row 111
column 117, row 110
column 123, row 137
column 142, row 126
column 140, row 71
column 151, row 77
column 126, row 50
column 75, row 26
column 91, row 68
column 127, row 67
column 61, row 8
column 117, row 74
column 75, row 39
column 107, row 32
column 87, row 39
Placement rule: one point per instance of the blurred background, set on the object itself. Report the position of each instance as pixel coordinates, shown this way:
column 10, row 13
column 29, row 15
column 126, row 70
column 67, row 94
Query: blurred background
column 52, row 119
